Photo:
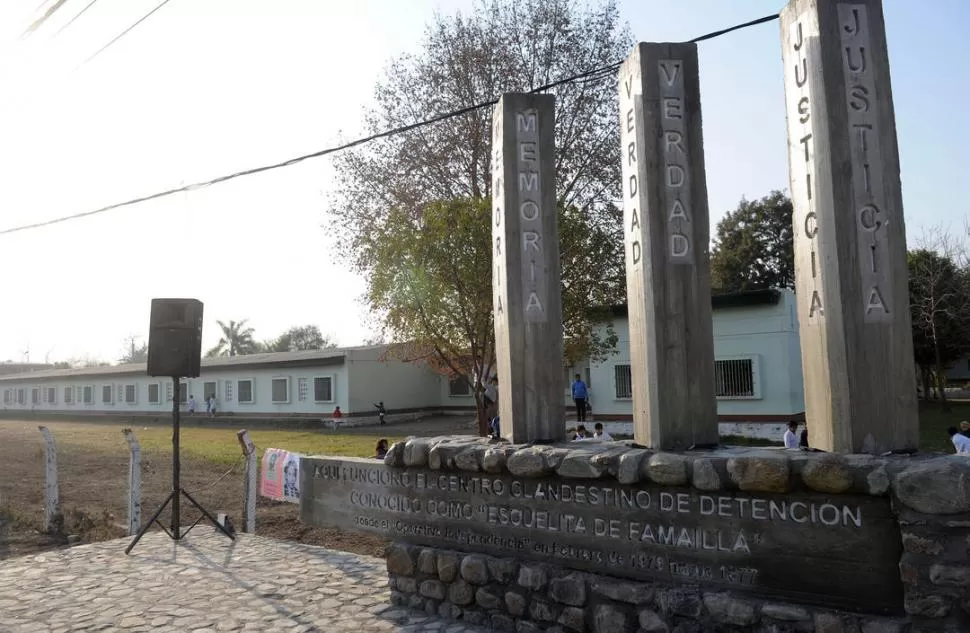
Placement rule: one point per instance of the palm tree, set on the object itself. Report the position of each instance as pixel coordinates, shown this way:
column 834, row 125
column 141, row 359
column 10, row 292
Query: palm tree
column 237, row 340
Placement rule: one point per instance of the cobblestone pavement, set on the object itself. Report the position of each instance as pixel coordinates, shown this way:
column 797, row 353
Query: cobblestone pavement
column 204, row 584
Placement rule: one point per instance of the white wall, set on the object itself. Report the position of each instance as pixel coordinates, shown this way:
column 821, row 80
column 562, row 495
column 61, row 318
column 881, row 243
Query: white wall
column 767, row 334
column 400, row 385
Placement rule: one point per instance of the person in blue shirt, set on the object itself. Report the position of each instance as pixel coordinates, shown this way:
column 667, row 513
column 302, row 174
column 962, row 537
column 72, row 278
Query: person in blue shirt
column 579, row 397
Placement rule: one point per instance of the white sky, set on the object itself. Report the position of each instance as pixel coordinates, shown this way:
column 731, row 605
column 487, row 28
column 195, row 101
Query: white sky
column 207, row 87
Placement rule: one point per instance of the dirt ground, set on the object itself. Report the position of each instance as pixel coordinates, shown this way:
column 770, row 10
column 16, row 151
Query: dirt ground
column 93, row 464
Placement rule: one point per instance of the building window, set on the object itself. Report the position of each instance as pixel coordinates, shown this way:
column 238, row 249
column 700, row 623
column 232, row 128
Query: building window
column 209, row 390
column 735, row 378
column 50, row 393
column 168, row 391
column 458, row 387
column 244, row 389
column 302, row 388
column 281, row 390
column 184, row 393
column 106, row 394
column 21, row 396
column 623, row 381
column 131, row 394
column 323, row 389
column 35, row 395
column 7, row 397
column 88, row 393
column 228, row 391
column 153, row 396
column 68, row 395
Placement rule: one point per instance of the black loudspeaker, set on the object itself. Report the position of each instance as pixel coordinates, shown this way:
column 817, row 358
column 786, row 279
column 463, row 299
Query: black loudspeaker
column 175, row 338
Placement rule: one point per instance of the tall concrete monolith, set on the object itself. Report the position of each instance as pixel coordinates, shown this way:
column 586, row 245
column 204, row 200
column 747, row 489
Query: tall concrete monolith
column 850, row 238
column 525, row 273
column 667, row 253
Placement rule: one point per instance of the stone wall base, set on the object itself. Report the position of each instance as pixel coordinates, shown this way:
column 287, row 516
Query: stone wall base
column 526, row 597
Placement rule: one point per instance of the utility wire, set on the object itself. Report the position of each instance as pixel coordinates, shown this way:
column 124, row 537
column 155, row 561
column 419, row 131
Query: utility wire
column 122, row 34
column 598, row 73
column 71, row 21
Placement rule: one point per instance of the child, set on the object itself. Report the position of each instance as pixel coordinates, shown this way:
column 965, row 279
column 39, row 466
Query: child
column 381, row 451
column 381, row 410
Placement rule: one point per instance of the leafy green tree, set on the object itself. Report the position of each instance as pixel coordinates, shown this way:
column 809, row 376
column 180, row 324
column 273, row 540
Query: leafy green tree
column 753, row 247
column 298, row 339
column 940, row 308
column 432, row 282
column 237, row 340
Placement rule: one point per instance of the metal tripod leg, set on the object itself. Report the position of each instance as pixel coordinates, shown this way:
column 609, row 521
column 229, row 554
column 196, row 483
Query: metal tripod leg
column 149, row 522
column 205, row 513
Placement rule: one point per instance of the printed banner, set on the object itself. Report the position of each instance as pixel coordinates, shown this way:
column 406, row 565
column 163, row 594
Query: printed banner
column 280, row 479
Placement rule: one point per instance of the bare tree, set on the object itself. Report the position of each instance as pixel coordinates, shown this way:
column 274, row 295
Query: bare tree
column 939, row 288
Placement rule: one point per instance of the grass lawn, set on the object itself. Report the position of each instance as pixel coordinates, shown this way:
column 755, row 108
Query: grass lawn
column 933, row 422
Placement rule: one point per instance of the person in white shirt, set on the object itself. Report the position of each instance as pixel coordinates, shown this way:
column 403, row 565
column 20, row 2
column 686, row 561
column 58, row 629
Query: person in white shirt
column 600, row 434
column 960, row 441
column 791, row 439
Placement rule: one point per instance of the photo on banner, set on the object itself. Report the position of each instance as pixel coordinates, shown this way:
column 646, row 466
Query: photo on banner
column 280, row 477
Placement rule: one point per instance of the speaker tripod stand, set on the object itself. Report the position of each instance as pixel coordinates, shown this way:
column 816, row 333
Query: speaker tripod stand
column 175, row 496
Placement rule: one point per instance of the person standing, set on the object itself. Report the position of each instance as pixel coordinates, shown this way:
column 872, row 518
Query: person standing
column 211, row 406
column 191, row 405
column 381, row 411
column 580, row 394
column 491, row 398
column 791, row 440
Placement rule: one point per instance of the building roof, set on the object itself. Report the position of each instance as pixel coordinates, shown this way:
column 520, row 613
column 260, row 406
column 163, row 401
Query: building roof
column 745, row 299
column 249, row 361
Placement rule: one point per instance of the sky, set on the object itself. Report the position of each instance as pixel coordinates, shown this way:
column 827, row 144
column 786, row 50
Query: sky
column 208, row 87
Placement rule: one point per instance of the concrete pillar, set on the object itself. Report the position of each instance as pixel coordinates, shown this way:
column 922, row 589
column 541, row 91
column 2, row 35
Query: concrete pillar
column 53, row 520
column 134, row 482
column 525, row 273
column 850, row 238
column 250, row 480
column 667, row 248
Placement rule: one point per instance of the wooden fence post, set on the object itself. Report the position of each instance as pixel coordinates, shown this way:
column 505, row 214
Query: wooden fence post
column 250, row 484
column 134, row 483
column 53, row 521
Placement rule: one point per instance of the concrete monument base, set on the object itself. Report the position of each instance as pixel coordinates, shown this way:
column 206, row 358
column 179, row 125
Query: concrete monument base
column 614, row 537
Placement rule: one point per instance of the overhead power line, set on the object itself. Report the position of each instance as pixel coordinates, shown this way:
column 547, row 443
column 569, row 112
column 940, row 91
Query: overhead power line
column 597, row 73
column 123, row 33
column 76, row 16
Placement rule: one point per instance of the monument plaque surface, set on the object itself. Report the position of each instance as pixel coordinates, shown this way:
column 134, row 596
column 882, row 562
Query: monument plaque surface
column 849, row 231
column 839, row 550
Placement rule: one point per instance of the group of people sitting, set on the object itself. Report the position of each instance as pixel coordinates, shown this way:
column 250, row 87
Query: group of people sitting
column 598, row 433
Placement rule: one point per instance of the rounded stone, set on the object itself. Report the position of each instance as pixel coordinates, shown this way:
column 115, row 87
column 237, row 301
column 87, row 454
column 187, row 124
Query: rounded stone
column 447, row 565
column 433, row 589
column 829, row 473
column 569, row 589
column 416, row 451
column 622, row 591
column 493, row 461
column 527, row 462
column 469, row 459
column 666, row 469
column 399, row 560
column 578, row 464
column 543, row 610
column 628, row 471
column 395, row 455
column 938, row 486
column 502, row 622
column 785, row 612
column 532, row 577
column 705, row 476
column 515, row 603
column 877, row 482
column 502, row 570
column 488, row 599
column 426, row 562
column 729, row 610
column 651, row 622
column 474, row 569
column 950, row 576
column 573, row 618
column 760, row 472
column 448, row 611
column 461, row 592
column 609, row 619
column 407, row 585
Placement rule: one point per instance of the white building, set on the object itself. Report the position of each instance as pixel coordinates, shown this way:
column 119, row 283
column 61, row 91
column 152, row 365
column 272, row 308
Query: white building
column 758, row 379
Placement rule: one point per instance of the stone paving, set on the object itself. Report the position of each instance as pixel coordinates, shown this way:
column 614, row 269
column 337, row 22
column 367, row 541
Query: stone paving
column 204, row 584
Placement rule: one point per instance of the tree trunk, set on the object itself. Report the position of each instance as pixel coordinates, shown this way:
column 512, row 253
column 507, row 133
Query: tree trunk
column 480, row 413
column 924, row 374
column 941, row 378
